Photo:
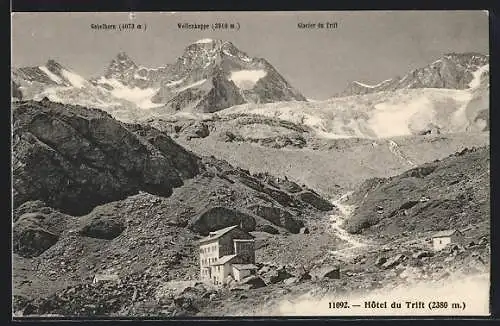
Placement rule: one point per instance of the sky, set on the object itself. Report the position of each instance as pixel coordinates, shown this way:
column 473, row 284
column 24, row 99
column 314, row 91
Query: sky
column 366, row 46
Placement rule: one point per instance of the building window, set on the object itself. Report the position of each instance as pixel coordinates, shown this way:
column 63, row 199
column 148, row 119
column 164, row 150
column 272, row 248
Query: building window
column 218, row 268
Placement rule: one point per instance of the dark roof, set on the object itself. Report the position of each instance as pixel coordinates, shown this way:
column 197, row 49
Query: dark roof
column 222, row 260
column 217, row 234
column 445, row 233
column 241, row 267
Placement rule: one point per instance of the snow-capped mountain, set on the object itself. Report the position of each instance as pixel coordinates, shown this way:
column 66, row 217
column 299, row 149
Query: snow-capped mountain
column 125, row 71
column 210, row 75
column 452, row 71
column 61, row 84
column 29, row 81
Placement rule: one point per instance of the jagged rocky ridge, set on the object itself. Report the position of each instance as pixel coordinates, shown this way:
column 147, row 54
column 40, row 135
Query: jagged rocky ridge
column 453, row 71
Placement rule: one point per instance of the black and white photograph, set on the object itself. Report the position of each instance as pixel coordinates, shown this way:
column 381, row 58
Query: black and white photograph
column 250, row 164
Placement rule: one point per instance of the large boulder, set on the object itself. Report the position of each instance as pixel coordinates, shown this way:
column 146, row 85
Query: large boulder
column 330, row 271
column 103, row 227
column 394, row 261
column 254, row 282
column 278, row 216
column 267, row 228
column 316, row 201
column 304, row 230
column 215, row 218
column 35, row 232
column 280, row 275
column 30, row 239
column 284, row 184
column 422, row 254
column 380, row 261
column 196, row 130
column 333, row 273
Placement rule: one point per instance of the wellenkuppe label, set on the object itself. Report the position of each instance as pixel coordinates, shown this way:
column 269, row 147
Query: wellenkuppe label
column 201, row 164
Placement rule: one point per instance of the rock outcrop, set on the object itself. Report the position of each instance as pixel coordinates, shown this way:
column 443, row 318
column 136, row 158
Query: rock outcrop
column 75, row 158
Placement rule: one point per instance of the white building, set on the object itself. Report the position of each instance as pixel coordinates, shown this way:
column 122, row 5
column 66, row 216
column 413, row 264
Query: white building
column 229, row 252
column 442, row 238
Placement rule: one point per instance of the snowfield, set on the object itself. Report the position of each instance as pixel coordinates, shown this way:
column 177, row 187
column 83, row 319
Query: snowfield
column 75, row 80
column 51, row 75
column 141, row 97
column 246, row 79
column 476, row 81
column 376, row 115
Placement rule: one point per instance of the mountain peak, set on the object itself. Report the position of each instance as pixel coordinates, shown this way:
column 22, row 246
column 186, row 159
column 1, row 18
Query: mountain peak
column 121, row 65
column 123, row 56
column 53, row 65
column 209, row 43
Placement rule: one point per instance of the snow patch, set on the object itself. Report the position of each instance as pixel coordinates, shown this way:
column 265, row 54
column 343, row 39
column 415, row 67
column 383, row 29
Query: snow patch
column 391, row 120
column 204, row 41
column 195, row 84
column 246, row 79
column 226, row 52
column 137, row 76
column 476, row 76
column 74, row 79
column 372, row 86
column 175, row 82
column 139, row 96
column 51, row 75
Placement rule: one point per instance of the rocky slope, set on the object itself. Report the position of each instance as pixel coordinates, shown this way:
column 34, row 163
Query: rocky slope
column 452, row 192
column 149, row 238
column 332, row 167
column 291, row 271
column 93, row 194
column 453, row 71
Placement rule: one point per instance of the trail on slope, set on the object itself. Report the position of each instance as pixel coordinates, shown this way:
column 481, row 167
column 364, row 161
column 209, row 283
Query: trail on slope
column 355, row 242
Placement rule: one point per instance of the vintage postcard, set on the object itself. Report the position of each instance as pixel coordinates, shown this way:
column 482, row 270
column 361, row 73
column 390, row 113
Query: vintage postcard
column 197, row 164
